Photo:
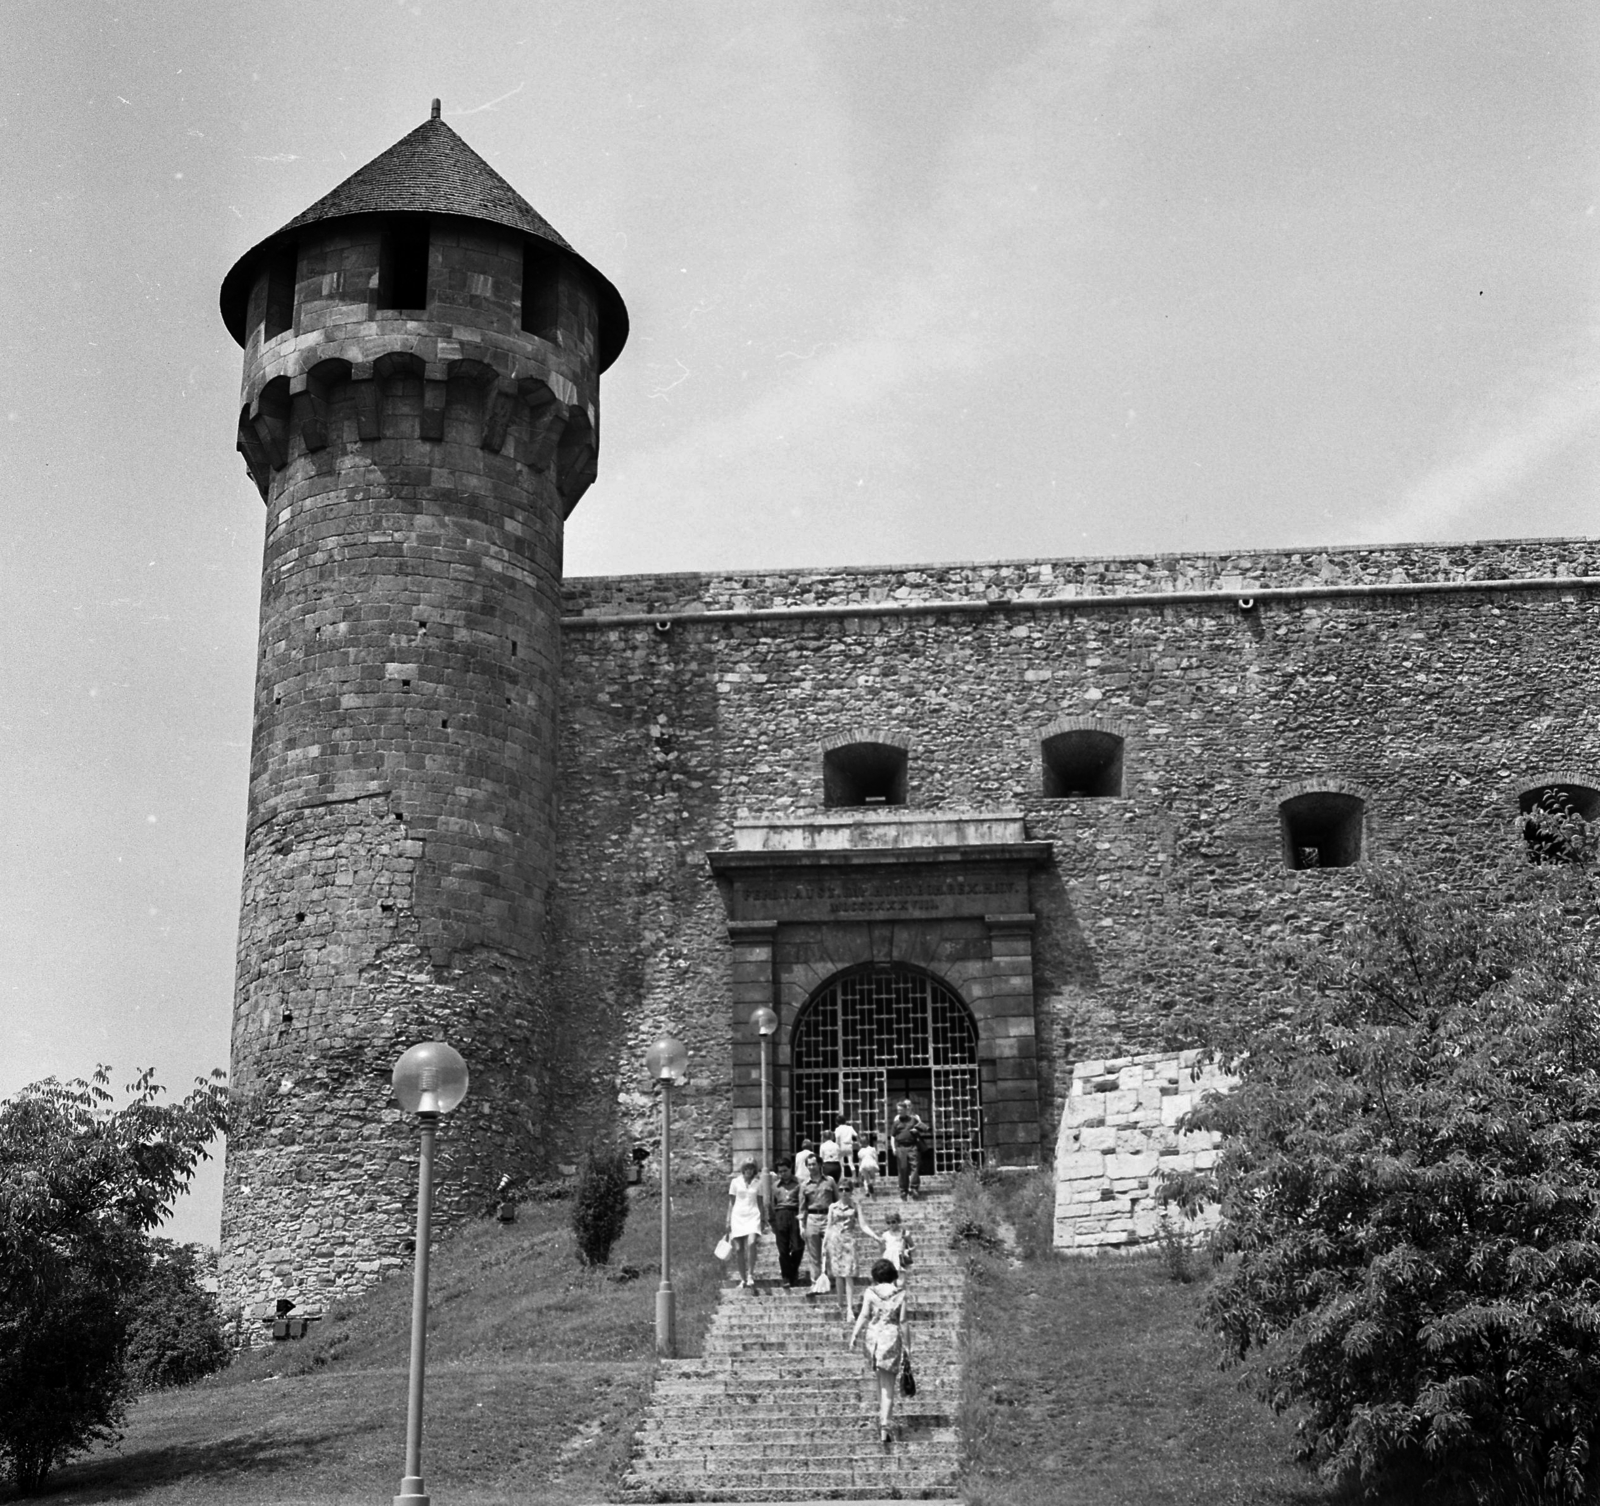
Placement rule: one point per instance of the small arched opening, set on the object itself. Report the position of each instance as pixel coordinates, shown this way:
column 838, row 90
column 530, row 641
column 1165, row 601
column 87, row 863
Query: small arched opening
column 864, row 773
column 1557, row 820
column 1322, row 829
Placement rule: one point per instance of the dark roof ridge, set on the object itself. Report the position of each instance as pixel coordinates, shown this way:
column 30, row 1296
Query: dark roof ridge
column 430, row 170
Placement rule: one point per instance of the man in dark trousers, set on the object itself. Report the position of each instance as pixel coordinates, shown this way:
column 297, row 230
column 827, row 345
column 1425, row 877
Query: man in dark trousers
column 906, row 1132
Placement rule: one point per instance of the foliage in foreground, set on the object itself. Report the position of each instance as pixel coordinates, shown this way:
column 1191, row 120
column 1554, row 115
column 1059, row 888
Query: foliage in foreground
column 81, row 1185
column 175, row 1329
column 1411, row 1190
column 600, row 1203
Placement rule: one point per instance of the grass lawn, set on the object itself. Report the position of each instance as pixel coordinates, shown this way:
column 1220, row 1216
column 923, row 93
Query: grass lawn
column 538, row 1375
column 1089, row 1382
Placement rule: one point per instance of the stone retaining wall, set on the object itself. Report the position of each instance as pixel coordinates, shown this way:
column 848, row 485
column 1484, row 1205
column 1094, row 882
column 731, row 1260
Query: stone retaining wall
column 1119, row 1134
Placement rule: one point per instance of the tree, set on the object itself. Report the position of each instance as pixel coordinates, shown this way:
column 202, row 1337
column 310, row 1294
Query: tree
column 174, row 1331
column 1410, row 1188
column 81, row 1185
column 600, row 1204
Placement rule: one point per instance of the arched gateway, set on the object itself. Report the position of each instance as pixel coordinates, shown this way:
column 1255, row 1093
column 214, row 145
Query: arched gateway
column 894, row 948
column 873, row 1036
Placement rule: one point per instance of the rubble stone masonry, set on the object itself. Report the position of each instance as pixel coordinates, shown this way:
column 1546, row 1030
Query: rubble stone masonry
column 1433, row 683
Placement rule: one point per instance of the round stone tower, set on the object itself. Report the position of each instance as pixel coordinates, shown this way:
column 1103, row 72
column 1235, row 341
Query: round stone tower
column 422, row 355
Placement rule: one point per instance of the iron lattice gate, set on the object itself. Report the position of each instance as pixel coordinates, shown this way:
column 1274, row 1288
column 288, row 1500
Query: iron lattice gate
column 863, row 1028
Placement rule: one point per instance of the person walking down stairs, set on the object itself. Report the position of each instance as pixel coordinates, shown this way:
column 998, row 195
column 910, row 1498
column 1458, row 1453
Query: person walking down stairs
column 779, row 1405
column 817, row 1195
column 785, row 1216
column 905, row 1133
column 841, row 1248
column 747, row 1218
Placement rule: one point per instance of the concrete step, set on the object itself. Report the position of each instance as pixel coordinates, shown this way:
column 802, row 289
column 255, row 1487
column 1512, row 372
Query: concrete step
column 799, row 1495
column 886, row 1477
column 750, row 1453
column 919, row 1412
column 776, row 1435
column 818, row 1365
column 779, row 1409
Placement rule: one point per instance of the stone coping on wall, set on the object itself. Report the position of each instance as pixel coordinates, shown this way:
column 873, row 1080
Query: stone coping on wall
column 1119, row 1135
column 1395, row 566
column 888, row 830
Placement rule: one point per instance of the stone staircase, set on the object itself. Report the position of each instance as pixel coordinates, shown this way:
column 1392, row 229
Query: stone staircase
column 779, row 1410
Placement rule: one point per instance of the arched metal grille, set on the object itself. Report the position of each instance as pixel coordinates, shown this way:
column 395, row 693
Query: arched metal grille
column 894, row 1031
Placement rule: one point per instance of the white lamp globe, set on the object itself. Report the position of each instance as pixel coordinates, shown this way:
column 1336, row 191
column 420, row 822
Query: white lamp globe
column 667, row 1060
column 430, row 1078
column 764, row 1020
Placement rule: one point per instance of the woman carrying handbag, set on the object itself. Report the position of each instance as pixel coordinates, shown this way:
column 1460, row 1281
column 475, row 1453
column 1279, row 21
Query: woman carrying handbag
column 883, row 1317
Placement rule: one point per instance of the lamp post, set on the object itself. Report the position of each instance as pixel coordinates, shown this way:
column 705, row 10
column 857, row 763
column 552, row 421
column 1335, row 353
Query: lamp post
column 765, row 1022
column 667, row 1062
column 429, row 1081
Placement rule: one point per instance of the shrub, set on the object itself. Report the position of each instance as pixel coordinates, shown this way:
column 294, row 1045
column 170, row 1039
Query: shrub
column 975, row 1218
column 81, row 1186
column 174, row 1329
column 600, row 1202
column 1410, row 1187
column 1175, row 1241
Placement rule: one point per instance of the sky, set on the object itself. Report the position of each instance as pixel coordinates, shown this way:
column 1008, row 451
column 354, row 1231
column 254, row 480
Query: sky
column 907, row 282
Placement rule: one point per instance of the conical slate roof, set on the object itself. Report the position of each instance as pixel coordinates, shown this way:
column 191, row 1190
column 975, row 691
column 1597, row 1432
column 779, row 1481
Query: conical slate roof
column 430, row 171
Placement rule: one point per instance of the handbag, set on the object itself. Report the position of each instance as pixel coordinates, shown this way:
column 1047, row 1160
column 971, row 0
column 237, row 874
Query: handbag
column 908, row 1381
column 724, row 1248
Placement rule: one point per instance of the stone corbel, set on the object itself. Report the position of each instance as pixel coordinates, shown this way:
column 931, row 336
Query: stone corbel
column 269, row 417
column 255, row 456
column 498, row 408
column 434, row 392
column 311, row 412
column 368, row 399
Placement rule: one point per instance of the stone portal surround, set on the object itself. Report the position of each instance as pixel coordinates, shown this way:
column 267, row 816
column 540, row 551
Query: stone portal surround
column 1119, row 1134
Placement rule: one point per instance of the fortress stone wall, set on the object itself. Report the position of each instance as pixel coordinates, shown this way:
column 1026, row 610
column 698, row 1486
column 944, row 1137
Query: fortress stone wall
column 964, row 828
column 1436, row 683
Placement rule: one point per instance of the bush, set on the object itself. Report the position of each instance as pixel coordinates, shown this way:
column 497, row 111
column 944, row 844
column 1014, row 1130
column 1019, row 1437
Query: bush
column 81, row 1186
column 174, row 1328
column 600, row 1202
column 975, row 1219
column 1410, row 1187
column 1175, row 1241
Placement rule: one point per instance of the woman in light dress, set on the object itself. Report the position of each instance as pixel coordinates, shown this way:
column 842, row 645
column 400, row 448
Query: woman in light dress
column 747, row 1217
column 883, row 1317
column 841, row 1247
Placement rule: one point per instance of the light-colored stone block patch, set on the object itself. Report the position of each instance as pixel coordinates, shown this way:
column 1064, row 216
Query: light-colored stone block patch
column 1119, row 1136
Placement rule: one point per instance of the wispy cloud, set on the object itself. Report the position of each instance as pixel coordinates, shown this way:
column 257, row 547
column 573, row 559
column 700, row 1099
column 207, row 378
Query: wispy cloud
column 499, row 99
column 965, row 288
column 1524, row 425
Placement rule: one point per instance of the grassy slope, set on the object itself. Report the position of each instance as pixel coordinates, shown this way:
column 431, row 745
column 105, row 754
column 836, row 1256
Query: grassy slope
column 1088, row 1382
column 538, row 1373
column 1091, row 1383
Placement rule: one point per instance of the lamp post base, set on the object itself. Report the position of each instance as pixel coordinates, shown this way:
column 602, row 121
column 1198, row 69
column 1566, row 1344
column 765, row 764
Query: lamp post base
column 666, row 1322
column 412, row 1493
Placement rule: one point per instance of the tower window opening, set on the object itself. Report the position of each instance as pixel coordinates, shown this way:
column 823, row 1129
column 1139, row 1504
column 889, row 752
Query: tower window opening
column 280, row 295
column 1082, row 761
column 1322, row 829
column 541, row 292
column 864, row 774
column 403, row 268
column 1557, row 822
